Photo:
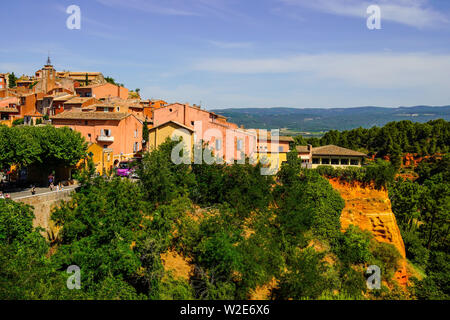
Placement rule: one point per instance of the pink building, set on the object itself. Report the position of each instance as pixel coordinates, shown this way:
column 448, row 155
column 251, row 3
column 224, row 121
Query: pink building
column 225, row 138
column 119, row 131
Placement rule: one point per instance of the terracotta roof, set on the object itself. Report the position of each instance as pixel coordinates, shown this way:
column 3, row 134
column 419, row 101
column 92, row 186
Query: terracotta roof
column 75, row 115
column 64, row 97
column 78, row 100
column 302, row 149
column 171, row 121
column 333, row 150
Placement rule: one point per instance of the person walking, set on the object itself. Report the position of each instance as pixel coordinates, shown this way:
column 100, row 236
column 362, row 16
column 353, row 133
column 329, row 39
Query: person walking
column 50, row 181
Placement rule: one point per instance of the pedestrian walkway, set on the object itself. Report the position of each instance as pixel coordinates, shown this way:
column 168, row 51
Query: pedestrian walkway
column 39, row 191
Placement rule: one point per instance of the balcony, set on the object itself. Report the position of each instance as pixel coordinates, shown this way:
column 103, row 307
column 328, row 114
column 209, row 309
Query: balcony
column 102, row 138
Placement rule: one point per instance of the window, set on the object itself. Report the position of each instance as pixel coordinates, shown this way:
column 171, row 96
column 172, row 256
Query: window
column 118, row 109
column 354, row 162
column 105, row 109
column 280, row 148
column 89, row 135
column 316, row 160
column 334, row 161
column 170, row 110
column 85, row 122
column 325, row 161
column 218, row 144
column 105, row 133
column 136, row 147
column 239, row 143
column 105, row 146
column 344, row 162
column 192, row 123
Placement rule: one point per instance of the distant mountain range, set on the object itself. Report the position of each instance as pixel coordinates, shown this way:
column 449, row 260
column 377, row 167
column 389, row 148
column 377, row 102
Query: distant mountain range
column 317, row 120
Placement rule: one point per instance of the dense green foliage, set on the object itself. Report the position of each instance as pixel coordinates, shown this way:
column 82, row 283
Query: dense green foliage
column 422, row 209
column 380, row 173
column 44, row 145
column 394, row 138
column 237, row 230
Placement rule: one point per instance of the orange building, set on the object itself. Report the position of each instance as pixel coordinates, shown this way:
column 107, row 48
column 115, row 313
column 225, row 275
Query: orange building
column 150, row 105
column 27, row 103
column 225, row 138
column 78, row 103
column 9, row 110
column 57, row 105
column 119, row 131
column 4, row 80
column 102, row 91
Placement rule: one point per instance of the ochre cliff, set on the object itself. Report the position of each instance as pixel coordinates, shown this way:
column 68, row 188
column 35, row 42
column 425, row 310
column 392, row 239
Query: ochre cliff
column 370, row 209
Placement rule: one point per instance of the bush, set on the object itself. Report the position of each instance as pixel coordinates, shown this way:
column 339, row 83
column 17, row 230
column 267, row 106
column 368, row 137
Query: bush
column 353, row 246
column 385, row 256
column 17, row 122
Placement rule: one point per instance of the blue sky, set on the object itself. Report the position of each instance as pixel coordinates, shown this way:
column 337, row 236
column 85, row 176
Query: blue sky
column 243, row 53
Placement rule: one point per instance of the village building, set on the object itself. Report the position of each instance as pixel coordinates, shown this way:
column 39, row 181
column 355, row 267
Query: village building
column 226, row 140
column 102, row 91
column 9, row 110
column 4, row 80
column 57, row 103
column 313, row 157
column 82, row 76
column 79, row 103
column 271, row 149
column 119, row 131
column 171, row 130
column 103, row 158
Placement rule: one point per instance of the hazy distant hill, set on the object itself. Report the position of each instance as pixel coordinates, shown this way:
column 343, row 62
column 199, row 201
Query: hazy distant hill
column 326, row 119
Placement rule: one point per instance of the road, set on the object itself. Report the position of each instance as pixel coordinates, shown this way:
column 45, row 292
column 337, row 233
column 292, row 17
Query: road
column 39, row 191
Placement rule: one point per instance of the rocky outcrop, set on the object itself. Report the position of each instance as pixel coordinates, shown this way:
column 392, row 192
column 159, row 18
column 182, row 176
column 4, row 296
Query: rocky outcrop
column 370, row 209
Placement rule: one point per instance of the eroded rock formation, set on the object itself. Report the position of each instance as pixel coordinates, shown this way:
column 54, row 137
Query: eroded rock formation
column 370, row 209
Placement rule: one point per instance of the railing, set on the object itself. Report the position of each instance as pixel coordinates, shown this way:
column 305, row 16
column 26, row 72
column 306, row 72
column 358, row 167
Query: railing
column 105, row 138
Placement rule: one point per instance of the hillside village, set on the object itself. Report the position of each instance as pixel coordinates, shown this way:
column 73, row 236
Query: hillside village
column 309, row 227
column 112, row 119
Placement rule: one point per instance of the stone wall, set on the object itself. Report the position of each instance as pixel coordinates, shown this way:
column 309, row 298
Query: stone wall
column 43, row 204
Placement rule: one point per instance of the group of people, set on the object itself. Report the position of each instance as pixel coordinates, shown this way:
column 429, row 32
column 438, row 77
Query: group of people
column 51, row 180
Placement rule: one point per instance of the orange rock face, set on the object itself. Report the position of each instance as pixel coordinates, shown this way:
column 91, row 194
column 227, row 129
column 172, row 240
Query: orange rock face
column 370, row 209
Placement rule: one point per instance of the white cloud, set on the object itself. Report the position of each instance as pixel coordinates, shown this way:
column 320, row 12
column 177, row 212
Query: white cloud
column 415, row 13
column 383, row 70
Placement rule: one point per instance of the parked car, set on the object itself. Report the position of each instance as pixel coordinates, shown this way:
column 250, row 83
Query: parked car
column 124, row 169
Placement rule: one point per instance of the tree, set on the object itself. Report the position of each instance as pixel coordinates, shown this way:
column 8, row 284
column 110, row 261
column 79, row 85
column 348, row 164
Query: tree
column 162, row 179
column 12, row 79
column 145, row 132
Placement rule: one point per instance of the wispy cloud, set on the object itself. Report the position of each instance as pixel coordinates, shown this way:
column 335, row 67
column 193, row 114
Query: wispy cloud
column 231, row 45
column 415, row 13
column 222, row 9
column 384, row 70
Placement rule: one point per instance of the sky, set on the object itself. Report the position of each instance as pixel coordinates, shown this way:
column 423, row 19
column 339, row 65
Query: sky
column 243, row 53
